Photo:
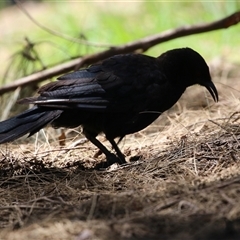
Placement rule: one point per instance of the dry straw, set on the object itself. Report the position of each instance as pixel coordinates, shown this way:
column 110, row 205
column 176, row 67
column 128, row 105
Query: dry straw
column 183, row 181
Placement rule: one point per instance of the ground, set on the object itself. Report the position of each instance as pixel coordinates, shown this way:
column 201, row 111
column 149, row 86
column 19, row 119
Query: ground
column 184, row 185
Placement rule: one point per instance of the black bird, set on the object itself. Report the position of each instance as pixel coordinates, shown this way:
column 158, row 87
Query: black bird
column 120, row 96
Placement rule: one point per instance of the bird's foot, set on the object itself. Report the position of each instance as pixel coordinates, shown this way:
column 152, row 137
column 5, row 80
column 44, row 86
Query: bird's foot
column 111, row 159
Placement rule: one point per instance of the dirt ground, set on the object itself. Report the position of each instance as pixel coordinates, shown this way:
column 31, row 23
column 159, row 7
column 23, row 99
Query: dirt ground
column 185, row 183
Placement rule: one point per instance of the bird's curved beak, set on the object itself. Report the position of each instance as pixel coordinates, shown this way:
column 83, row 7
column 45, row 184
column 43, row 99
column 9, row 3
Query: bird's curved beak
column 212, row 89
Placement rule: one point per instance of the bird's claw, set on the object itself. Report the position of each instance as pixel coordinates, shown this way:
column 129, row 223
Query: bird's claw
column 111, row 159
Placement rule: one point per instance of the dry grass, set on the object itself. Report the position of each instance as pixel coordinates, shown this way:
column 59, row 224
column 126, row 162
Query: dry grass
column 184, row 186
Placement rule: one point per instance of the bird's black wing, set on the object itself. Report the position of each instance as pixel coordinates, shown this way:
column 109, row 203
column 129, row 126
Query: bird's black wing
column 134, row 82
column 114, row 85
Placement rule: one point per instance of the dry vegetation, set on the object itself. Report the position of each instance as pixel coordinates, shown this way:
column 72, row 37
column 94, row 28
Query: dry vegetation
column 184, row 185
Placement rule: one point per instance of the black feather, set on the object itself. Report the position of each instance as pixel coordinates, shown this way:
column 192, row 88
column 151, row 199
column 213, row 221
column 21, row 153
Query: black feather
column 30, row 121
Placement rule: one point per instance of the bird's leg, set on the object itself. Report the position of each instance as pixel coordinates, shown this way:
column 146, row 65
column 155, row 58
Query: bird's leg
column 119, row 140
column 118, row 151
column 111, row 158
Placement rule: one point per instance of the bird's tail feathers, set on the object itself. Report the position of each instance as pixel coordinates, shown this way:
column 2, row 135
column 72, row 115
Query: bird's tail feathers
column 30, row 121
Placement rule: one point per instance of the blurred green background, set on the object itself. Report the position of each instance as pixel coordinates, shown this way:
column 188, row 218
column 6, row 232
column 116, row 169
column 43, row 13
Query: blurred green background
column 111, row 23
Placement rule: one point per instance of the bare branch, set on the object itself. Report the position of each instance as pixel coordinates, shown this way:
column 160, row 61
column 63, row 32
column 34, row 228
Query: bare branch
column 142, row 44
column 56, row 33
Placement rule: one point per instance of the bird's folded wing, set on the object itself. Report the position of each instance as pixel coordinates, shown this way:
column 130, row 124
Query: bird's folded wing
column 116, row 84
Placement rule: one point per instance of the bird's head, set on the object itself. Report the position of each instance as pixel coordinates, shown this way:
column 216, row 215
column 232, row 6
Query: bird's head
column 185, row 67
